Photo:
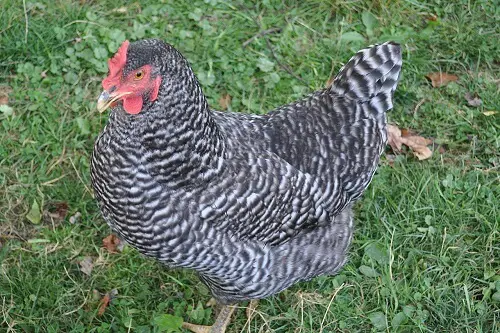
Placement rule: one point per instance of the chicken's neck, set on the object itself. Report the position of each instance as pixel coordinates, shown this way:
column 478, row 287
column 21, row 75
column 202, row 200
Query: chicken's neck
column 180, row 142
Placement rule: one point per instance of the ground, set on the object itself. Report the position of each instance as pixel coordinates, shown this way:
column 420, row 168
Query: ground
column 425, row 257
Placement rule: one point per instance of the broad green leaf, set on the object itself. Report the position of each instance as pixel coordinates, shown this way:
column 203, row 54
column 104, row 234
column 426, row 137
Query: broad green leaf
column 70, row 77
column 168, row 323
column 206, row 78
column 352, row 36
column 83, row 125
column 378, row 320
column 91, row 16
column 86, row 54
column 34, row 215
column 70, row 51
column 370, row 22
column 100, row 53
column 377, row 253
column 196, row 14
column 368, row 271
column 265, row 64
column 398, row 320
column 198, row 313
column 60, row 33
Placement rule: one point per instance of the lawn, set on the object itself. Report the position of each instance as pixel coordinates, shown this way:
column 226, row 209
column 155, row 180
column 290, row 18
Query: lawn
column 426, row 253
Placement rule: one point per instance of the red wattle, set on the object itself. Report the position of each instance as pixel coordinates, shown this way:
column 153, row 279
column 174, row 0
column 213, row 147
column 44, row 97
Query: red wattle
column 132, row 105
column 156, row 89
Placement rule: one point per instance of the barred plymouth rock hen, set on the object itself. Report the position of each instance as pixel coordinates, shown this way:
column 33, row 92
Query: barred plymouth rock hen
column 253, row 203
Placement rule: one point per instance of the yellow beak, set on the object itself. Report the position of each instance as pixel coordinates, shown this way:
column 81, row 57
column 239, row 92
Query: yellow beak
column 106, row 99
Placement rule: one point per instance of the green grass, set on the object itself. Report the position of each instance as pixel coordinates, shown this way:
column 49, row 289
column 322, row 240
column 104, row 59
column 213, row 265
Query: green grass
column 426, row 254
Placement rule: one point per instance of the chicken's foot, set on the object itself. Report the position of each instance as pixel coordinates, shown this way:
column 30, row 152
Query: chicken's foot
column 220, row 324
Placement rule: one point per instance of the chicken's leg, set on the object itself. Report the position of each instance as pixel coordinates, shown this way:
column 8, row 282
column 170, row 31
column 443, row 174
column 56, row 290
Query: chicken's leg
column 251, row 308
column 220, row 324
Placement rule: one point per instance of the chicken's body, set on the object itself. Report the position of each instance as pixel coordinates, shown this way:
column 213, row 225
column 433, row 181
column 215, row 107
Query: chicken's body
column 253, row 203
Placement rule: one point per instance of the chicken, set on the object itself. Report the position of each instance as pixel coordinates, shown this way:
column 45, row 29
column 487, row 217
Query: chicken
column 253, row 203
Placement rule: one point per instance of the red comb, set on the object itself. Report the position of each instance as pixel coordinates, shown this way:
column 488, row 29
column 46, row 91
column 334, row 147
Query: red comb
column 116, row 64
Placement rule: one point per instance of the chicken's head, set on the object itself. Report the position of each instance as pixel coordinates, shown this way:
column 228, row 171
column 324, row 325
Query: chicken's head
column 139, row 72
column 130, row 80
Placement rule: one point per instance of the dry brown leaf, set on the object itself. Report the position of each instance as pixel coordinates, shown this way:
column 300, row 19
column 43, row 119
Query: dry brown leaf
column 111, row 243
column 416, row 143
column 419, row 146
column 105, row 300
column 394, row 137
column 405, row 132
column 432, row 17
column 225, row 101
column 490, row 113
column 86, row 265
column 4, row 94
column 416, row 140
column 473, row 99
column 58, row 210
column 104, row 304
column 440, row 79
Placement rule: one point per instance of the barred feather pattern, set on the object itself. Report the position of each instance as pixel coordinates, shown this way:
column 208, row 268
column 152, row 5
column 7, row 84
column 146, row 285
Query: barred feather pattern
column 253, row 203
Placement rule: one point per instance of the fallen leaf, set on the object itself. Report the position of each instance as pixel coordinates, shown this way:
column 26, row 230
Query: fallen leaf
column 86, row 265
column 490, row 113
column 104, row 304
column 440, row 79
column 106, row 300
column 415, row 140
column 416, row 143
column 443, row 148
column 420, row 150
column 405, row 132
column 4, row 94
column 225, row 101
column 473, row 99
column 34, row 215
column 111, row 243
column 58, row 210
column 394, row 137
column 431, row 17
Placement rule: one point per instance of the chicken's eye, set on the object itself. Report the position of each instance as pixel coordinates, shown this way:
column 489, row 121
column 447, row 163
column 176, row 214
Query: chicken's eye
column 139, row 75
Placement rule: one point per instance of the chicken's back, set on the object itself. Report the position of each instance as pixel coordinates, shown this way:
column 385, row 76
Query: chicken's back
column 338, row 132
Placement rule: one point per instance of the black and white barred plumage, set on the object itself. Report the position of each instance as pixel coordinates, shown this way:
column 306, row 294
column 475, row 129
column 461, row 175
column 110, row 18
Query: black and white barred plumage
column 253, row 203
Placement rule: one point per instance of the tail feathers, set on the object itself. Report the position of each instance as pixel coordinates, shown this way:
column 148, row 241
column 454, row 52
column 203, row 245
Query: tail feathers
column 371, row 75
